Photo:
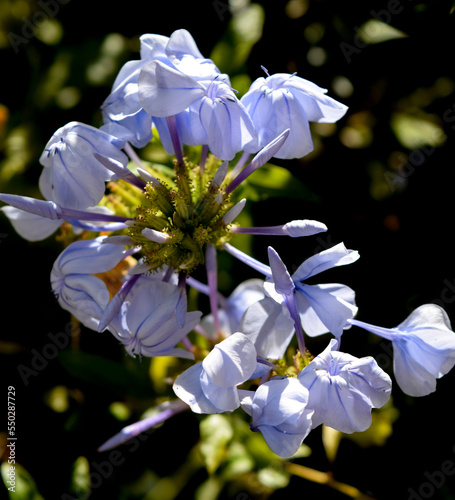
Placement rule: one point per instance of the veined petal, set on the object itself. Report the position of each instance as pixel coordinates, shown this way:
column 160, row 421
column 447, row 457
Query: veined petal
column 72, row 177
column 276, row 110
column 279, row 400
column 152, row 46
column 423, row 346
column 88, row 257
column 281, row 278
column 330, row 305
column 42, row 208
column 338, row 255
column 269, row 326
column 228, row 126
column 165, row 91
column 181, row 43
column 280, row 412
column 344, row 389
column 187, row 387
column 223, row 398
column 30, row 226
column 232, row 361
column 318, row 106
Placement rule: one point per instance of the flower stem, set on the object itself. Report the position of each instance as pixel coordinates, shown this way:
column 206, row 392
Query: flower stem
column 212, row 281
column 204, row 152
column 250, row 261
column 168, row 410
column 172, row 125
column 326, row 479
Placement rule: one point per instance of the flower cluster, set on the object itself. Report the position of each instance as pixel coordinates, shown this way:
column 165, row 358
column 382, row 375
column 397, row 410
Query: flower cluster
column 138, row 234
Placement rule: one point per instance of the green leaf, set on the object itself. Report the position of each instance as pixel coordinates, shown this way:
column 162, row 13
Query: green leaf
column 19, row 482
column 80, row 478
column 118, row 378
column 273, row 477
column 415, row 132
column 216, row 433
column 274, row 181
column 375, row 31
column 209, row 489
column 238, row 460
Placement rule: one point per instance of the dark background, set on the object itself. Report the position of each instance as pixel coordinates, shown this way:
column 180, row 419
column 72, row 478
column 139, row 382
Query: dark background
column 403, row 232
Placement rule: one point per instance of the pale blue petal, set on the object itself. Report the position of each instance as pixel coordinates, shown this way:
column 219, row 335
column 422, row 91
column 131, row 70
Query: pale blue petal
column 343, row 389
column 182, row 43
column 283, row 444
column 269, row 327
column 280, row 412
column 280, row 400
column 152, row 46
column 187, row 387
column 228, row 126
column 30, row 226
column 281, row 278
column 325, row 308
column 232, row 361
column 149, row 304
column 305, row 227
column 336, row 256
column 41, row 208
column 88, row 257
column 274, row 111
column 223, row 398
column 241, row 298
column 318, row 106
column 170, row 333
column 411, row 375
column 72, row 177
column 165, row 91
column 423, row 346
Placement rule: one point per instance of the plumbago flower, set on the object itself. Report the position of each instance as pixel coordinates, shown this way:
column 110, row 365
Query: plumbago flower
column 423, row 346
column 138, row 237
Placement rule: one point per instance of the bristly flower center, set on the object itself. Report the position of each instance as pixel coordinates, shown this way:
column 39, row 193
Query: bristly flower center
column 178, row 218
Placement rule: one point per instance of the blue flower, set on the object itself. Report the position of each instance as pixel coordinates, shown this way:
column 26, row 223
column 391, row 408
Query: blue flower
column 122, row 112
column 211, row 385
column 207, row 111
column 232, row 308
column 147, row 323
column 280, row 411
column 321, row 308
column 283, row 101
column 344, row 389
column 72, row 176
column 74, row 281
column 423, row 348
